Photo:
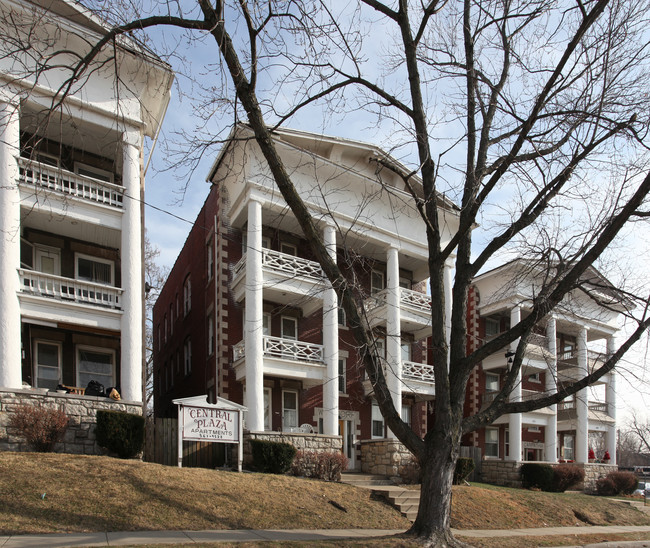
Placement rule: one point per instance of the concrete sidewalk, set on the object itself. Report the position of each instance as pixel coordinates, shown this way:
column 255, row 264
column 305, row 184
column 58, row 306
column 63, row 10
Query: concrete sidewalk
column 249, row 535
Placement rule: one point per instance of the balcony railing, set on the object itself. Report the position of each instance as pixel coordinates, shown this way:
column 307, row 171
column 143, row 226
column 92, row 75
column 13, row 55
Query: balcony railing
column 418, row 372
column 287, row 265
column 408, row 299
column 538, row 340
column 276, row 347
column 67, row 289
column 68, row 183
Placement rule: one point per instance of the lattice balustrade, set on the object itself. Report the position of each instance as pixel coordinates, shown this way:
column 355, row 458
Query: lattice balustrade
column 415, row 299
column 293, row 350
column 291, row 265
column 65, row 182
column 67, row 289
column 418, row 371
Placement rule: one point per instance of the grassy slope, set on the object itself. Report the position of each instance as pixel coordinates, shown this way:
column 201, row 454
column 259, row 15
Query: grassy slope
column 84, row 493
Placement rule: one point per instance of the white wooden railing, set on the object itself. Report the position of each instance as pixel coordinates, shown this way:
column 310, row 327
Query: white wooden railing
column 65, row 182
column 288, row 265
column 418, row 372
column 68, row 289
column 289, row 349
column 415, row 299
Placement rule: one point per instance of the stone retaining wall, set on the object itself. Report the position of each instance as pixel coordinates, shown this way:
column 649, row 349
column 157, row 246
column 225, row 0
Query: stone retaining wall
column 506, row 473
column 81, row 410
column 385, row 457
column 306, row 442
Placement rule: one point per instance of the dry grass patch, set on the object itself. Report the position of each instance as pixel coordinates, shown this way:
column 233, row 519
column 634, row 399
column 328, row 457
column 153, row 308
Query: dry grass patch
column 88, row 493
column 554, row 540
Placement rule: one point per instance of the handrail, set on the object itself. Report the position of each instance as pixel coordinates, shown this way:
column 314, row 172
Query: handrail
column 65, row 182
column 276, row 347
column 418, row 371
column 68, row 289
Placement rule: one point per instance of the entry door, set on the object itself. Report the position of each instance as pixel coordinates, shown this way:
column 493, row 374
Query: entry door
column 346, row 431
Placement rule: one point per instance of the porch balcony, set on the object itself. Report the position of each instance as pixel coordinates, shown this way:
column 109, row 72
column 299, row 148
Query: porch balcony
column 53, row 298
column 415, row 311
column 287, row 280
column 65, row 183
column 526, row 395
column 568, row 370
column 598, row 413
column 285, row 358
column 417, row 379
column 536, row 358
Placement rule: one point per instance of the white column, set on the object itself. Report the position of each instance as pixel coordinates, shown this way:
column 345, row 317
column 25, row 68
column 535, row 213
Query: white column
column 253, row 334
column 550, row 432
column 131, row 259
column 582, row 403
column 514, row 421
column 393, row 335
column 330, row 346
column 448, row 288
column 10, row 337
column 610, row 398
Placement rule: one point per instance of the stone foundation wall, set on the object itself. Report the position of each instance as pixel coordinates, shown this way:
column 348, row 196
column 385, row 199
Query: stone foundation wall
column 81, row 410
column 385, row 457
column 305, row 442
column 506, row 473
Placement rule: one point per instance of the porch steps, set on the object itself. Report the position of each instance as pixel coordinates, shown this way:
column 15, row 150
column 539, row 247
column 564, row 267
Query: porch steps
column 405, row 500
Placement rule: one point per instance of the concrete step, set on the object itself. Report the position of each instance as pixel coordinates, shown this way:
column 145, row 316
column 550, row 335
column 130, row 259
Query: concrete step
column 365, row 480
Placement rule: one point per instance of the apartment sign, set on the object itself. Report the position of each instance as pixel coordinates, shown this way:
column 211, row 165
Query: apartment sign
column 219, row 422
column 210, row 424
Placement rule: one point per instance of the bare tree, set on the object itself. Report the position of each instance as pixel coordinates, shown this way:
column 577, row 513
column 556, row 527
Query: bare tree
column 531, row 109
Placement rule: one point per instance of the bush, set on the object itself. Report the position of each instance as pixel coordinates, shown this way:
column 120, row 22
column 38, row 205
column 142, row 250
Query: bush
column 319, row 464
column 410, row 471
column 464, row 467
column 272, row 456
column 605, row 487
column 119, row 432
column 536, row 476
column 42, row 427
column 620, row 482
column 566, row 476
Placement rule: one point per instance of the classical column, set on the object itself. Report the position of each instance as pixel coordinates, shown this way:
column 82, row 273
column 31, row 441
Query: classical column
column 610, row 398
column 253, row 331
column 550, row 432
column 10, row 338
column 448, row 288
column 514, row 421
column 330, row 346
column 131, row 260
column 582, row 401
column 393, row 336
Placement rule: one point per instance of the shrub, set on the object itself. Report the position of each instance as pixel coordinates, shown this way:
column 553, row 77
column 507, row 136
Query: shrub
column 119, row 432
column 272, row 456
column 605, row 487
column 566, row 476
column 536, row 476
column 410, row 471
column 42, row 427
column 624, row 482
column 464, row 467
column 319, row 464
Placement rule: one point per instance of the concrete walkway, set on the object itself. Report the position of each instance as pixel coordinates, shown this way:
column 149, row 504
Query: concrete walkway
column 249, row 535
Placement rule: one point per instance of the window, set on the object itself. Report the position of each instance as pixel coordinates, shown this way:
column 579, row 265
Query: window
column 48, row 364
column 93, row 172
column 289, row 249
column 187, row 356
column 178, row 308
column 342, row 376
column 405, row 351
column 45, row 158
column 159, row 338
column 289, row 328
column 47, row 260
column 377, row 282
column 535, row 377
column 377, row 422
column 406, row 414
column 210, row 259
column 267, row 410
column 492, row 442
column 491, row 382
column 404, row 283
column 171, row 318
column 380, row 343
column 266, row 325
column 534, row 429
column 210, row 335
column 93, row 269
column 187, row 295
column 95, row 364
column 507, row 442
column 266, row 243
column 567, row 449
column 166, row 327
column 492, row 327
column 289, row 409
column 342, row 317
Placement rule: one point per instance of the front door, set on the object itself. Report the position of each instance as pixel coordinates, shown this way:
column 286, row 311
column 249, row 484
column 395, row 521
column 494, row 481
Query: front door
column 346, row 431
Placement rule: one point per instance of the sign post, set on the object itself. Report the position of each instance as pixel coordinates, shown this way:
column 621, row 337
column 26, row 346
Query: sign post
column 220, row 422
